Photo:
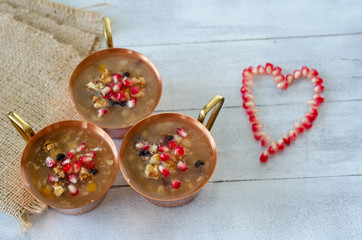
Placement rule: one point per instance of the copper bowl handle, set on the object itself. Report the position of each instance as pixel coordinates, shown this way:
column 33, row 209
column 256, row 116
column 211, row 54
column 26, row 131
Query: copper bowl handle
column 23, row 128
column 216, row 103
column 107, row 32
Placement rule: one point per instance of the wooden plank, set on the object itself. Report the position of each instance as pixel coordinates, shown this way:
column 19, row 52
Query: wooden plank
column 323, row 208
column 175, row 22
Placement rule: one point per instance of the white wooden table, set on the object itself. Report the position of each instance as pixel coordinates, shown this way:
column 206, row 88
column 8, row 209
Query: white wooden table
column 310, row 191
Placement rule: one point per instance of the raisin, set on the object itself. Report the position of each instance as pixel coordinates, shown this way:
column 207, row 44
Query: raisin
column 169, row 138
column 61, row 157
column 123, row 104
column 199, row 163
column 126, row 74
column 114, row 103
column 94, row 171
column 144, row 153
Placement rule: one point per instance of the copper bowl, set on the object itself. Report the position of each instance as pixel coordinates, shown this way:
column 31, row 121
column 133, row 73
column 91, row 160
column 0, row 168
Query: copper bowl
column 114, row 132
column 32, row 138
column 175, row 202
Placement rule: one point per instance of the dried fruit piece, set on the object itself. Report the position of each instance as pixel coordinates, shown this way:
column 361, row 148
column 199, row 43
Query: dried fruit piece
column 50, row 162
column 60, row 157
column 94, row 171
column 168, row 138
column 73, row 190
column 58, row 191
column 176, row 183
column 199, row 163
column 182, row 165
column 53, row 178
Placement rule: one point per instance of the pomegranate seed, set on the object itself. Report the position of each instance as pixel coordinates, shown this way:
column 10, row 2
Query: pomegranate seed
column 253, row 70
column 67, row 168
column 297, row 74
column 292, row 135
column 121, row 97
column 163, row 148
column 144, row 146
column 73, row 189
column 318, row 89
column 317, row 81
column 269, row 68
column 247, row 74
column 134, row 90
column 253, row 119
column 264, row 157
column 245, row 89
column 247, row 97
column 106, row 90
column 85, row 159
column 102, row 112
column 72, row 178
column 310, row 117
column 313, row 103
column 257, row 127
column 117, row 87
column 53, row 178
column 176, row 184
column 248, row 104
column 117, row 77
column 276, row 71
column 164, row 171
column 132, row 102
column 318, row 98
column 289, row 79
column 313, row 111
column 282, row 85
column 164, row 157
column 113, row 97
column 261, row 70
column 251, row 111
column 265, row 141
column 181, row 132
column 272, row 148
column 172, row 144
column 70, row 154
column 91, row 154
column 66, row 161
column 77, row 165
column 247, row 82
column 286, row 139
column 259, row 135
column 313, row 73
column 305, row 71
column 182, row 166
column 111, row 85
column 105, row 96
column 90, row 165
column 179, row 150
column 82, row 147
column 306, row 123
column 280, row 145
column 50, row 162
column 298, row 128
column 127, row 83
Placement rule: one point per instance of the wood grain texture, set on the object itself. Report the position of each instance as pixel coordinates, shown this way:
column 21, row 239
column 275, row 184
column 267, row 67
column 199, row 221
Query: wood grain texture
column 311, row 190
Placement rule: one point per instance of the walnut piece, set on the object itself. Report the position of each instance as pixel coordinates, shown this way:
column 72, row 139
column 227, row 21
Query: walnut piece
column 48, row 146
column 95, row 84
column 58, row 190
column 99, row 102
column 152, row 171
column 59, row 171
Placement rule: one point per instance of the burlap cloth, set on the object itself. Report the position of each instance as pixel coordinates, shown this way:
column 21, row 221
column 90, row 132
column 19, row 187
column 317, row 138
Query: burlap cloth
column 41, row 44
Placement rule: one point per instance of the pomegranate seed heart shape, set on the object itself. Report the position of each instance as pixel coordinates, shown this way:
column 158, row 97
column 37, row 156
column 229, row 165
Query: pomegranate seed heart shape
column 282, row 82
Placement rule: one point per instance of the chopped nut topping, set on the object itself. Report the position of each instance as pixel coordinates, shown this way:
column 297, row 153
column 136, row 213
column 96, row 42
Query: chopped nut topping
column 152, row 171
column 96, row 85
column 58, row 190
column 99, row 102
column 48, row 146
column 59, row 171
column 139, row 81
